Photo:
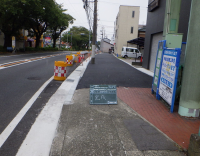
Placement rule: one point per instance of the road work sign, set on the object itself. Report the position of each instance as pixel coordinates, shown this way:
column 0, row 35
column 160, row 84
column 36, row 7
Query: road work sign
column 103, row 94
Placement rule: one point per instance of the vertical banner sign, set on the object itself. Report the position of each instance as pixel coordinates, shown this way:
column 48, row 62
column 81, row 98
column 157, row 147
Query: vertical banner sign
column 155, row 84
column 13, row 42
column 169, row 75
column 103, row 94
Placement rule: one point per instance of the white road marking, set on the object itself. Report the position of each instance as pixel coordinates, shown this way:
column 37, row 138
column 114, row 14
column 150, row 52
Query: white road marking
column 28, row 61
column 39, row 139
column 2, row 68
column 8, row 130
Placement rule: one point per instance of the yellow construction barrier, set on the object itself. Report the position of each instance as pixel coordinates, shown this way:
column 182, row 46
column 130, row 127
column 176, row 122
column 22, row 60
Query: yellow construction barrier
column 76, row 58
column 60, row 70
column 69, row 60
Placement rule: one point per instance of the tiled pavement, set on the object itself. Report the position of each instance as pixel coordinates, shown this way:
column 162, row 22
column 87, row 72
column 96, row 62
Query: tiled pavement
column 174, row 126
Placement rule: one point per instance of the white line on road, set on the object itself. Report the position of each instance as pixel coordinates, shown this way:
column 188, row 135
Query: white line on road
column 8, row 130
column 39, row 139
column 28, row 60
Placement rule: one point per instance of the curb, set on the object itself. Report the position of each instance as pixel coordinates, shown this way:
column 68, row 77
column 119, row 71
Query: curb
column 140, row 69
column 40, row 137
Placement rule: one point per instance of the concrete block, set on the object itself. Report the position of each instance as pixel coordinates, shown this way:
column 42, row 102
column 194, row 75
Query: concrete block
column 194, row 146
column 137, row 63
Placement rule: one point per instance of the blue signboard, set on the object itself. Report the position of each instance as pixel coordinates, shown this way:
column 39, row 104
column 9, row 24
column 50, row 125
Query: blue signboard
column 169, row 75
column 156, row 78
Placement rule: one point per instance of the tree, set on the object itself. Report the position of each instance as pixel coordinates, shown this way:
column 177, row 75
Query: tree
column 80, row 37
column 12, row 17
column 39, row 16
column 59, row 22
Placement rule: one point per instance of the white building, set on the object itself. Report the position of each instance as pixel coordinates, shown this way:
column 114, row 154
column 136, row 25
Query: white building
column 126, row 26
column 105, row 45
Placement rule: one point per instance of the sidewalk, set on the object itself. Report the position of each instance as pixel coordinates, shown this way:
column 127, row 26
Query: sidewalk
column 173, row 125
column 138, row 125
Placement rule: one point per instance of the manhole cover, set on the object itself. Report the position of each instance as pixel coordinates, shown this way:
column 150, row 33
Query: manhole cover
column 34, row 78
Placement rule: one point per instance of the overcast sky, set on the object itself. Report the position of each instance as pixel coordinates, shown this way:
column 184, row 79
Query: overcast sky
column 107, row 12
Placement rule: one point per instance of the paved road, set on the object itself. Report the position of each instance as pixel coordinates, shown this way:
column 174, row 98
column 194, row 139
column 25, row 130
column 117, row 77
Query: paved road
column 18, row 84
column 109, row 70
column 12, row 58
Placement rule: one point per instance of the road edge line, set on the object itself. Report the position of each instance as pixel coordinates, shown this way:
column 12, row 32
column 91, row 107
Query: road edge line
column 40, row 137
column 9, row 129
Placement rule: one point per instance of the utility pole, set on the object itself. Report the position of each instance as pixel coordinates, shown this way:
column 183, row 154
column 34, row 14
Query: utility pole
column 94, row 38
column 190, row 100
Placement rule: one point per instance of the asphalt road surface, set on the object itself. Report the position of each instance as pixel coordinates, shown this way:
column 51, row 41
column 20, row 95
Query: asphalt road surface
column 20, row 78
column 109, row 70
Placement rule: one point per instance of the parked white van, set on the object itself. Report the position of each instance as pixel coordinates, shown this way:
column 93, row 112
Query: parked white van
column 130, row 52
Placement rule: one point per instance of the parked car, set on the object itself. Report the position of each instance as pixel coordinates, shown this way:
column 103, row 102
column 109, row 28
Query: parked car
column 130, row 52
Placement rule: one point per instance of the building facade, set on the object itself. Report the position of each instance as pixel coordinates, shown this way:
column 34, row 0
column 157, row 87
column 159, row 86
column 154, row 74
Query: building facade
column 126, row 26
column 105, row 45
column 155, row 26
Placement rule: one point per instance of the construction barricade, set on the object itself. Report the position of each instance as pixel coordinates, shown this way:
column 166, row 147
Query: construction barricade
column 76, row 58
column 69, row 60
column 82, row 56
column 60, row 70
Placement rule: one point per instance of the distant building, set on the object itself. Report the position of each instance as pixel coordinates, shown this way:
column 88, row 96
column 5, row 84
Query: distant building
column 126, row 26
column 105, row 45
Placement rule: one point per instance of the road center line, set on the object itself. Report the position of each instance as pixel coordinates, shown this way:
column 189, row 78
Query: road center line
column 8, row 130
column 15, row 63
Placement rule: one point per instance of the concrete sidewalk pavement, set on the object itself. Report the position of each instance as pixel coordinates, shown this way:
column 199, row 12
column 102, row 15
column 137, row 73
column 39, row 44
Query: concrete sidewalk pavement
column 123, row 129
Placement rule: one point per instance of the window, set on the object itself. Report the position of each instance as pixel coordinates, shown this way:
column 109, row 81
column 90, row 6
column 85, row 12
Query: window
column 122, row 49
column 131, row 30
column 137, row 51
column 131, row 50
column 133, row 13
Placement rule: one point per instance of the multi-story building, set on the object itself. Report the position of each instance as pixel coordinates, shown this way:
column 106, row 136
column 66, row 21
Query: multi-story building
column 126, row 26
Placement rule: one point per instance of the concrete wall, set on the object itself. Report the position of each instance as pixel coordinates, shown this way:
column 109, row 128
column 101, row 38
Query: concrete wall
column 104, row 47
column 184, row 18
column 123, row 26
column 154, row 25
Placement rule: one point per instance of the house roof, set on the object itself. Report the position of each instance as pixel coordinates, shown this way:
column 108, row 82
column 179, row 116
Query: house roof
column 138, row 41
column 142, row 29
column 108, row 43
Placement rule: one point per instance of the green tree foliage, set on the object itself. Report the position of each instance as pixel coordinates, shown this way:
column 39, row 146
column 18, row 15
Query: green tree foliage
column 34, row 15
column 39, row 16
column 11, row 18
column 80, row 37
column 59, row 22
